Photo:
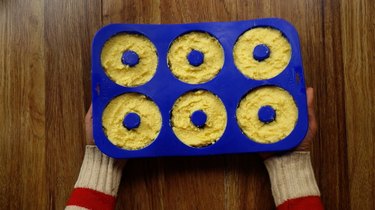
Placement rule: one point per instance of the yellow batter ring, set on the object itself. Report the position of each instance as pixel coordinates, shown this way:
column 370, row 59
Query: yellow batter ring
column 137, row 138
column 203, row 42
column 280, row 53
column 126, row 75
column 216, row 121
column 286, row 114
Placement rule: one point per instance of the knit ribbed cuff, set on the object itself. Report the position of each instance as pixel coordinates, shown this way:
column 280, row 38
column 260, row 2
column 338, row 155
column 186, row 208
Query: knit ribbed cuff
column 75, row 208
column 292, row 176
column 100, row 172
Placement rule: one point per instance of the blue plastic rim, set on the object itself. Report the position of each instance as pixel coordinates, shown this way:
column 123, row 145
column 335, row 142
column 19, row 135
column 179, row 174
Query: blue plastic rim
column 199, row 118
column 130, row 58
column 266, row 114
column 261, row 52
column 229, row 85
column 131, row 121
column 195, row 58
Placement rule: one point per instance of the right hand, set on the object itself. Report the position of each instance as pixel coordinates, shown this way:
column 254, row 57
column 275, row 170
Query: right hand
column 306, row 142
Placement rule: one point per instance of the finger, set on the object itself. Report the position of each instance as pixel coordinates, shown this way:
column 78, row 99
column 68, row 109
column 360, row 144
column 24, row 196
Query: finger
column 311, row 112
column 88, row 116
column 310, row 101
column 89, row 130
column 310, row 96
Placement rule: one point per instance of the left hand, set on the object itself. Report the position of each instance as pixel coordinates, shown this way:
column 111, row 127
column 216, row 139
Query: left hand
column 88, row 127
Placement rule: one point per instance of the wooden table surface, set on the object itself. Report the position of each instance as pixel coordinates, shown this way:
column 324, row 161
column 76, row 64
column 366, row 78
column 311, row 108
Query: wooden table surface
column 45, row 92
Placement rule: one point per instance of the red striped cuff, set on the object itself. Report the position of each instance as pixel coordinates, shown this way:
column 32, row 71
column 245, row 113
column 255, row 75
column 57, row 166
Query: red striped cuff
column 305, row 203
column 91, row 199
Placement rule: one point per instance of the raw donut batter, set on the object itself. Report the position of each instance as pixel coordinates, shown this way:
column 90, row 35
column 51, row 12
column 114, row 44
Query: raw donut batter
column 186, row 131
column 136, row 138
column 286, row 114
column 279, row 56
column 127, row 75
column 212, row 63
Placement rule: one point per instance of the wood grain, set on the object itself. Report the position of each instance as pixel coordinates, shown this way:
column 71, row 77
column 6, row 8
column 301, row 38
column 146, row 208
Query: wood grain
column 69, row 29
column 330, row 150
column 22, row 109
column 358, row 38
column 45, row 91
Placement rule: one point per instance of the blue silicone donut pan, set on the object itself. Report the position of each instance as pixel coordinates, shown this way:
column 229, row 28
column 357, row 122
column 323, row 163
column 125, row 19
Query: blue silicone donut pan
column 230, row 85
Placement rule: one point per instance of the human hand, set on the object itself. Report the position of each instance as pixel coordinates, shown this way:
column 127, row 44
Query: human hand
column 88, row 127
column 313, row 126
column 306, row 142
column 90, row 136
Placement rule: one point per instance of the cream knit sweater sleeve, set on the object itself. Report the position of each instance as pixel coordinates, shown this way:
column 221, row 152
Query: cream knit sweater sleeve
column 98, row 181
column 292, row 177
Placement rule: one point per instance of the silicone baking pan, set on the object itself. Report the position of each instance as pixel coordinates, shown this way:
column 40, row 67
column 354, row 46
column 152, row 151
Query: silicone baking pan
column 230, row 85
